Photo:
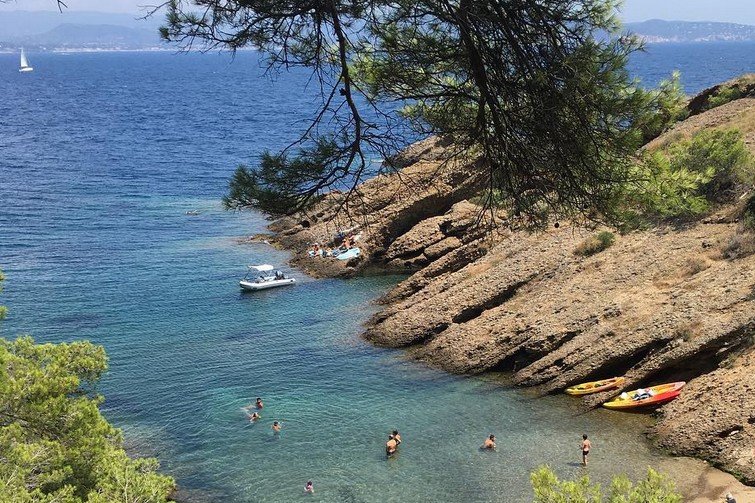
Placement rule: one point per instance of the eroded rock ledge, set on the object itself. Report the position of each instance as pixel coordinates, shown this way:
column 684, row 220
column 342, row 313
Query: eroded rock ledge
column 659, row 305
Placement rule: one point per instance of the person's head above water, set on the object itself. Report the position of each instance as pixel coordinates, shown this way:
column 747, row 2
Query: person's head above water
column 491, row 437
column 584, row 437
column 395, row 432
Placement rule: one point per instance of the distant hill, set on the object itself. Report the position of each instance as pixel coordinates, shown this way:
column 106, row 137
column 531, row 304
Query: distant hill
column 20, row 23
column 95, row 36
column 656, row 30
column 47, row 30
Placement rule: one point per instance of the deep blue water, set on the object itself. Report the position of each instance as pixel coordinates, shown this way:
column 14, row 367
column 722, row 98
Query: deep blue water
column 101, row 157
column 701, row 65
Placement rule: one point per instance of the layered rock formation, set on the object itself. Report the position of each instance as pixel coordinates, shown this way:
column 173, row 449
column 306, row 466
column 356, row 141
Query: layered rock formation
column 672, row 303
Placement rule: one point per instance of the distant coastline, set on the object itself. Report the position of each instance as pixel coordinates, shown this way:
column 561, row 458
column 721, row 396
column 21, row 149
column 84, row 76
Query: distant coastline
column 45, row 31
column 83, row 50
column 78, row 50
column 657, row 31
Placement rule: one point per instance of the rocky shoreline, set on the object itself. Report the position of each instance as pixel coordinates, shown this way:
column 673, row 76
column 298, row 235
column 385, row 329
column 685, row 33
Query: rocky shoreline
column 670, row 303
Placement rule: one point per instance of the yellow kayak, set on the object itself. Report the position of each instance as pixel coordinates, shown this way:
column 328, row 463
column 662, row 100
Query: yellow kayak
column 654, row 395
column 595, row 386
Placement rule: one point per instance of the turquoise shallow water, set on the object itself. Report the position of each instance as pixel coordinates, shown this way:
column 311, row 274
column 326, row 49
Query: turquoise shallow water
column 102, row 155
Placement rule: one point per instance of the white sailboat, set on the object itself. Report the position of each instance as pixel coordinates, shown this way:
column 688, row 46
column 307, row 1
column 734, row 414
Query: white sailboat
column 25, row 63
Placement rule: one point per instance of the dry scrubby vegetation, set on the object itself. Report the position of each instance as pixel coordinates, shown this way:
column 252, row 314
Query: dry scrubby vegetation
column 595, row 244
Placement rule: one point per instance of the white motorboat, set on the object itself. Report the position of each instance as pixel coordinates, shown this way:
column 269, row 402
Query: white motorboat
column 259, row 277
column 24, row 63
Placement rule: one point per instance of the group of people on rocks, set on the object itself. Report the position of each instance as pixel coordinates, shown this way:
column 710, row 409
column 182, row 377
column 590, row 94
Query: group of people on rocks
column 348, row 242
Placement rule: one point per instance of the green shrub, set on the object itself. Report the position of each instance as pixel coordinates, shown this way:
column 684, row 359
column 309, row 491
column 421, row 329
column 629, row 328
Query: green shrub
column 724, row 96
column 664, row 189
column 55, row 445
column 685, row 178
column 654, row 488
column 595, row 244
column 668, row 105
column 721, row 156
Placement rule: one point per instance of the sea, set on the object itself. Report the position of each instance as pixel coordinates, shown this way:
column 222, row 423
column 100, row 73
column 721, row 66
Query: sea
column 101, row 157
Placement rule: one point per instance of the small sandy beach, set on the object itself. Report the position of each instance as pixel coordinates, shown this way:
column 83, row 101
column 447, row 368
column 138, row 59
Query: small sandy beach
column 699, row 482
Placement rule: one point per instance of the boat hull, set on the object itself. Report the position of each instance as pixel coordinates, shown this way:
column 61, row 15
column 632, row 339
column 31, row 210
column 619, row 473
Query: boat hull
column 26, row 70
column 251, row 286
column 664, row 393
column 595, row 386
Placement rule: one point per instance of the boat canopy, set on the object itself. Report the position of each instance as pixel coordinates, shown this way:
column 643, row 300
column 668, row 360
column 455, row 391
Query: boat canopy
column 262, row 268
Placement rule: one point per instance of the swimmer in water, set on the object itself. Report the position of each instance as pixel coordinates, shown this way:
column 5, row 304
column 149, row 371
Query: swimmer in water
column 397, row 437
column 489, row 443
column 309, row 488
column 253, row 417
column 258, row 403
column 276, row 427
column 390, row 446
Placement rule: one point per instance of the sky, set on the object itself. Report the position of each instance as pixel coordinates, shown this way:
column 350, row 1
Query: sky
column 733, row 11
column 120, row 6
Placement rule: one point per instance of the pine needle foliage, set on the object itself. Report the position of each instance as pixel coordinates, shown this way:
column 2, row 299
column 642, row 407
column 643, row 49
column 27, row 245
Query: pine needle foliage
column 686, row 178
column 535, row 92
column 654, row 488
column 55, row 445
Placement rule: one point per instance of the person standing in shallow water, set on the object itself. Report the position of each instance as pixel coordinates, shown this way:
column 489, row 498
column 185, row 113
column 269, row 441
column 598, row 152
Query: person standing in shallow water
column 586, row 446
column 390, row 446
column 489, row 443
column 258, row 403
column 276, row 427
column 397, row 437
column 309, row 488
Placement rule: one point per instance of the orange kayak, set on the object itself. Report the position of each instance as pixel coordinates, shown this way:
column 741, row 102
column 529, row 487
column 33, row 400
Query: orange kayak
column 655, row 395
column 595, row 386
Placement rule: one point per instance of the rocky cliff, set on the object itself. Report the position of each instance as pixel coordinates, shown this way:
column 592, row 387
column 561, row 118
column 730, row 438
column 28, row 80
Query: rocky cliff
column 671, row 303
